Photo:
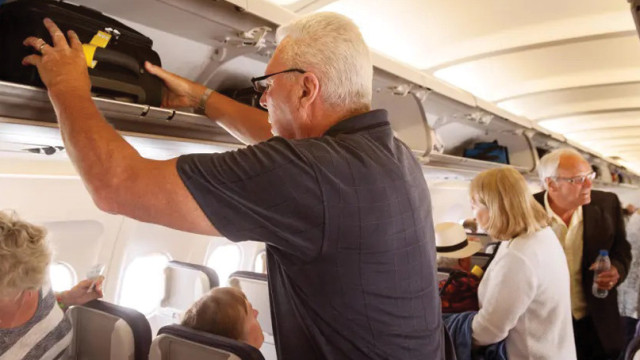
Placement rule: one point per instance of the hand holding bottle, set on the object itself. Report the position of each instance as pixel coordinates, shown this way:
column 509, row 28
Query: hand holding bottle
column 605, row 277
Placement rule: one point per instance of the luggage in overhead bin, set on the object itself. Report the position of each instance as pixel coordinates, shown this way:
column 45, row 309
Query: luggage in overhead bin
column 115, row 53
column 488, row 151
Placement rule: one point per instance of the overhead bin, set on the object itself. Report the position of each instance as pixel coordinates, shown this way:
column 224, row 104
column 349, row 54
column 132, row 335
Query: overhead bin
column 225, row 43
column 402, row 100
column 22, row 102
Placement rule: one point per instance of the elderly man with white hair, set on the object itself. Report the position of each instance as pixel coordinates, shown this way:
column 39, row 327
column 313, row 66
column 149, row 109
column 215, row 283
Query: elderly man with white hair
column 587, row 221
column 340, row 202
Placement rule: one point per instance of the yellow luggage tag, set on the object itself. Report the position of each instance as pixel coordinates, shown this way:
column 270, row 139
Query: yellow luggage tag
column 100, row 39
column 477, row 271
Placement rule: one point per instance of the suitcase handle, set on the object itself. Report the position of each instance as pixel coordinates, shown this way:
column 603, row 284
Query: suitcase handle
column 119, row 59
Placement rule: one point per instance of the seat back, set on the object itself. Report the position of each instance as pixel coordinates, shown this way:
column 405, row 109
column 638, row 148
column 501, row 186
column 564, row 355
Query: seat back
column 105, row 331
column 491, row 247
column 480, row 259
column 632, row 351
column 176, row 342
column 256, row 288
column 184, row 284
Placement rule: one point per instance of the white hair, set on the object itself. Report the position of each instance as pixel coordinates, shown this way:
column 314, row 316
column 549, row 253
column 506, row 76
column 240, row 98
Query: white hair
column 24, row 255
column 548, row 167
column 332, row 46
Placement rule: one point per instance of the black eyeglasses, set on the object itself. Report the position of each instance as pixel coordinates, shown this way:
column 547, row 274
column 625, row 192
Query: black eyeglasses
column 260, row 84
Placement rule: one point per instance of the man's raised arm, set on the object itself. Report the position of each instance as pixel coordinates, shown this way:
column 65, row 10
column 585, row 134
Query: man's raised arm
column 248, row 124
column 118, row 179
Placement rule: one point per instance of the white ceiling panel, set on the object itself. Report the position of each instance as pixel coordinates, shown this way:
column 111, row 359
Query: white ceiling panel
column 428, row 33
column 584, row 63
column 604, row 134
column 550, row 104
column 601, row 121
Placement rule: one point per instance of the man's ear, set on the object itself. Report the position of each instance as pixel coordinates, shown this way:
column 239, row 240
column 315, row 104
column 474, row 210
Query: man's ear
column 551, row 185
column 310, row 89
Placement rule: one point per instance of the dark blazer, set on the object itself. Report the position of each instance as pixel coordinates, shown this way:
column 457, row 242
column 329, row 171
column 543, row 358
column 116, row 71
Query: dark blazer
column 603, row 229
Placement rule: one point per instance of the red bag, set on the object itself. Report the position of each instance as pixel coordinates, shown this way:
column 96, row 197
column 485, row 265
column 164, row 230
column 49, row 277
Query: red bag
column 459, row 292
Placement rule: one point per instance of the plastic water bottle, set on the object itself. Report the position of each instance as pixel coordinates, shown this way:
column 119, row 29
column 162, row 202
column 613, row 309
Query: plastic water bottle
column 602, row 264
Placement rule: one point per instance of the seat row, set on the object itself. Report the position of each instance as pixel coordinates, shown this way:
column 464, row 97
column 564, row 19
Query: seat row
column 106, row 331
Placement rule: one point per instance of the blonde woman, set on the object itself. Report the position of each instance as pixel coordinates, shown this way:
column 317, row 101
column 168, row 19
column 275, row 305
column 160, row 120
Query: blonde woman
column 32, row 325
column 524, row 295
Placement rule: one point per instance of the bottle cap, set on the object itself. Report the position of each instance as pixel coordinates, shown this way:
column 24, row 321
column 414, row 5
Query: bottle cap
column 604, row 253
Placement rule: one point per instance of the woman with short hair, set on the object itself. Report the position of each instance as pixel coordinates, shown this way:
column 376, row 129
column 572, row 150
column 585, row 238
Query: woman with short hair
column 32, row 326
column 225, row 311
column 524, row 295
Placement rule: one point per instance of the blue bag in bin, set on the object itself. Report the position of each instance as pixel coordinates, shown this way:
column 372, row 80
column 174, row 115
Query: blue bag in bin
column 488, row 151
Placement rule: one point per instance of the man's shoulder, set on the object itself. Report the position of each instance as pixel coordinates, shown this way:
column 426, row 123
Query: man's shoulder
column 540, row 196
column 603, row 197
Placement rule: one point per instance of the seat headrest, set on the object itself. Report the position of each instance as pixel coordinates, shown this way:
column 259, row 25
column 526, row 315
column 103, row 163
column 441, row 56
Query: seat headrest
column 242, row 350
column 136, row 321
column 249, row 275
column 209, row 272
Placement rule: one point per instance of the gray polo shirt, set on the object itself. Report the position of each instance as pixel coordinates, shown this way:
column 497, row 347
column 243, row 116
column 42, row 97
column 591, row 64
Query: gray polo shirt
column 350, row 244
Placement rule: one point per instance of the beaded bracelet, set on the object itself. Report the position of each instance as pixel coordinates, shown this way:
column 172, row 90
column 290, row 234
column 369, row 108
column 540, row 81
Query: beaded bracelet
column 59, row 301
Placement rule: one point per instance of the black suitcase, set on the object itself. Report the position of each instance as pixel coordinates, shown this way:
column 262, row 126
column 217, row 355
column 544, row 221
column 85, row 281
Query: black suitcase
column 119, row 70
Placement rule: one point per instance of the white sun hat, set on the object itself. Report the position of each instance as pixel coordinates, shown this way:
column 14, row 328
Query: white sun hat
column 451, row 241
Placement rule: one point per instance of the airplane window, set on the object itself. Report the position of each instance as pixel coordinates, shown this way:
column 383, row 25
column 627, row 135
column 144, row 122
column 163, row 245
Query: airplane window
column 260, row 265
column 62, row 275
column 143, row 284
column 225, row 260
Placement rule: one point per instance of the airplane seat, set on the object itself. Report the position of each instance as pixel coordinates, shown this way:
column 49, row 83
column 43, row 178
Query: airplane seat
column 177, row 342
column 491, row 247
column 184, row 284
column 632, row 352
column 105, row 331
column 480, row 259
column 443, row 273
column 255, row 286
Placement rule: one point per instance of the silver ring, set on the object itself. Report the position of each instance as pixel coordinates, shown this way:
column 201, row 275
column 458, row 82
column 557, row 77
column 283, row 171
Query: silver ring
column 44, row 43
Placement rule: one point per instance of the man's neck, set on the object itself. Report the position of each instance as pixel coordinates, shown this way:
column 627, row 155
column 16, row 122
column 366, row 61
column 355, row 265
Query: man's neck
column 329, row 119
column 563, row 212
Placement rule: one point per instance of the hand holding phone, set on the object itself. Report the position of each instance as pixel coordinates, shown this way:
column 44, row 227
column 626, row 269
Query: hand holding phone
column 93, row 274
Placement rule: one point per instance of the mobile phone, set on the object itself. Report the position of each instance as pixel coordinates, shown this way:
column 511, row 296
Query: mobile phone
column 93, row 274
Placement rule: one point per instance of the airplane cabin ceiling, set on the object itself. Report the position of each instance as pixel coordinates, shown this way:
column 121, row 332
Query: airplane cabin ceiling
column 573, row 65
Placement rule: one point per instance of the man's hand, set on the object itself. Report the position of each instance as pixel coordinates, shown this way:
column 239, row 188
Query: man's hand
column 607, row 279
column 62, row 67
column 180, row 92
column 80, row 294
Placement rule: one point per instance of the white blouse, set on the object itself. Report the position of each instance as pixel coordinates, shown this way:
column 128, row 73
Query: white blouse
column 524, row 297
